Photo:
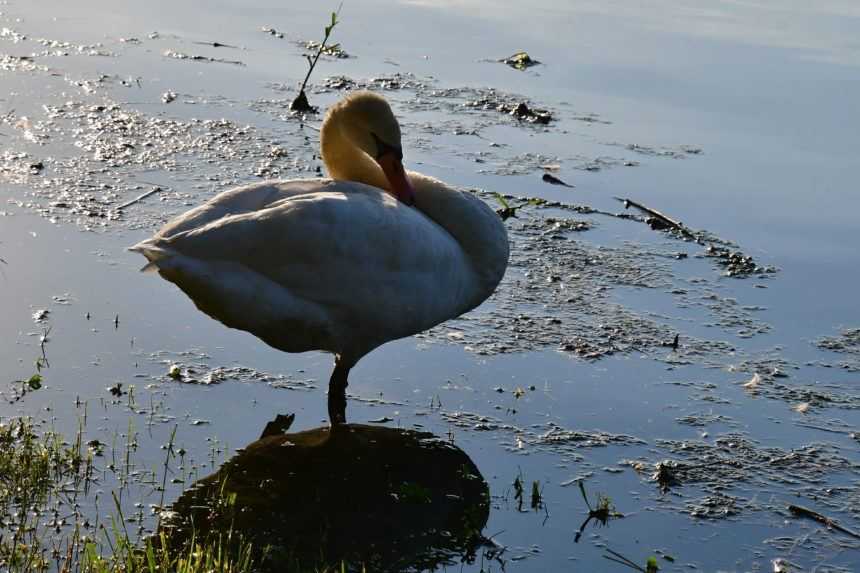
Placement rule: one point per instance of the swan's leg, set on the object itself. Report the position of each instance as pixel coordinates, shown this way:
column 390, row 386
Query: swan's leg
column 337, row 391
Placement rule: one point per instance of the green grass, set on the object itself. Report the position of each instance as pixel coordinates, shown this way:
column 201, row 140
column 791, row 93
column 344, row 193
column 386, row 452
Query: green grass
column 43, row 483
column 49, row 508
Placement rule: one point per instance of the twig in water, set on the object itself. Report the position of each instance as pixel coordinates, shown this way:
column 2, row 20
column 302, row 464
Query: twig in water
column 658, row 220
column 301, row 102
column 216, row 45
column 138, row 199
column 804, row 512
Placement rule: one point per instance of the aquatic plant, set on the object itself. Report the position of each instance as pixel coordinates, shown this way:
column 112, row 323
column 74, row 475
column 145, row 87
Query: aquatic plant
column 300, row 103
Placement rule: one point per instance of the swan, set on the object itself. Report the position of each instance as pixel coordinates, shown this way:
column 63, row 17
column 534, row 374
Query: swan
column 342, row 265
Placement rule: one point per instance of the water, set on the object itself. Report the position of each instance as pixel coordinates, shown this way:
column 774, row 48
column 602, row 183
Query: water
column 767, row 91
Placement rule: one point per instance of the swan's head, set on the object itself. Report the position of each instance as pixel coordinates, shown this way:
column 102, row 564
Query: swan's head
column 366, row 120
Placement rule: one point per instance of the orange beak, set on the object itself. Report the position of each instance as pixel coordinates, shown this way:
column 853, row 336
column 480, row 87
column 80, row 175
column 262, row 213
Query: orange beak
column 401, row 187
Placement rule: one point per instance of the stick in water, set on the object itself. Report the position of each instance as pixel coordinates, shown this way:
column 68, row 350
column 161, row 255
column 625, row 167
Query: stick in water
column 658, row 215
column 804, row 512
column 138, row 199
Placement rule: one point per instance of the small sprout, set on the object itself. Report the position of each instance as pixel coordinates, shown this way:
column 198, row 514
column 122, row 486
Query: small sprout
column 604, row 511
column 300, row 103
column 507, row 211
column 174, row 372
column 518, row 491
column 116, row 389
column 519, row 392
column 650, row 564
column 537, row 496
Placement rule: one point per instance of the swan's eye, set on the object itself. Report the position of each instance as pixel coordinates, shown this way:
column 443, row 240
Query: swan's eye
column 382, row 148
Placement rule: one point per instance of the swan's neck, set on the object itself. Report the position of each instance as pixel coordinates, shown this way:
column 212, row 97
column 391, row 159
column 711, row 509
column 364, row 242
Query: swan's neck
column 344, row 160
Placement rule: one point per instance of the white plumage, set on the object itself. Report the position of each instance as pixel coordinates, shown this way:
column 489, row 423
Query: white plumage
column 341, row 265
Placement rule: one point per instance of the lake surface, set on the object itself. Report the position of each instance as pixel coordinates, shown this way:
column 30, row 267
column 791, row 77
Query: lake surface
column 737, row 118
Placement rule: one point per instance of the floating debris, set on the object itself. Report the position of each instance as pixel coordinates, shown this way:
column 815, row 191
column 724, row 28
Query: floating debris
column 553, row 180
column 60, row 48
column 679, row 152
column 519, row 110
column 519, row 61
column 737, row 264
column 846, row 343
column 216, row 45
column 82, row 187
column 272, row 32
column 198, row 58
column 567, row 284
column 830, row 523
column 333, row 50
column 41, row 315
column 753, row 382
column 731, row 470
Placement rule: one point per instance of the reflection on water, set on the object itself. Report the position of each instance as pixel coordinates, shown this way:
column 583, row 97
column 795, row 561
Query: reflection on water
column 387, row 498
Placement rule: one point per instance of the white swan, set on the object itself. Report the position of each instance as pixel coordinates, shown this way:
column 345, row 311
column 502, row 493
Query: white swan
column 341, row 265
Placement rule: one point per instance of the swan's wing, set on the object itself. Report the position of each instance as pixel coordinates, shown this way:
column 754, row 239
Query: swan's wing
column 245, row 199
column 351, row 262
